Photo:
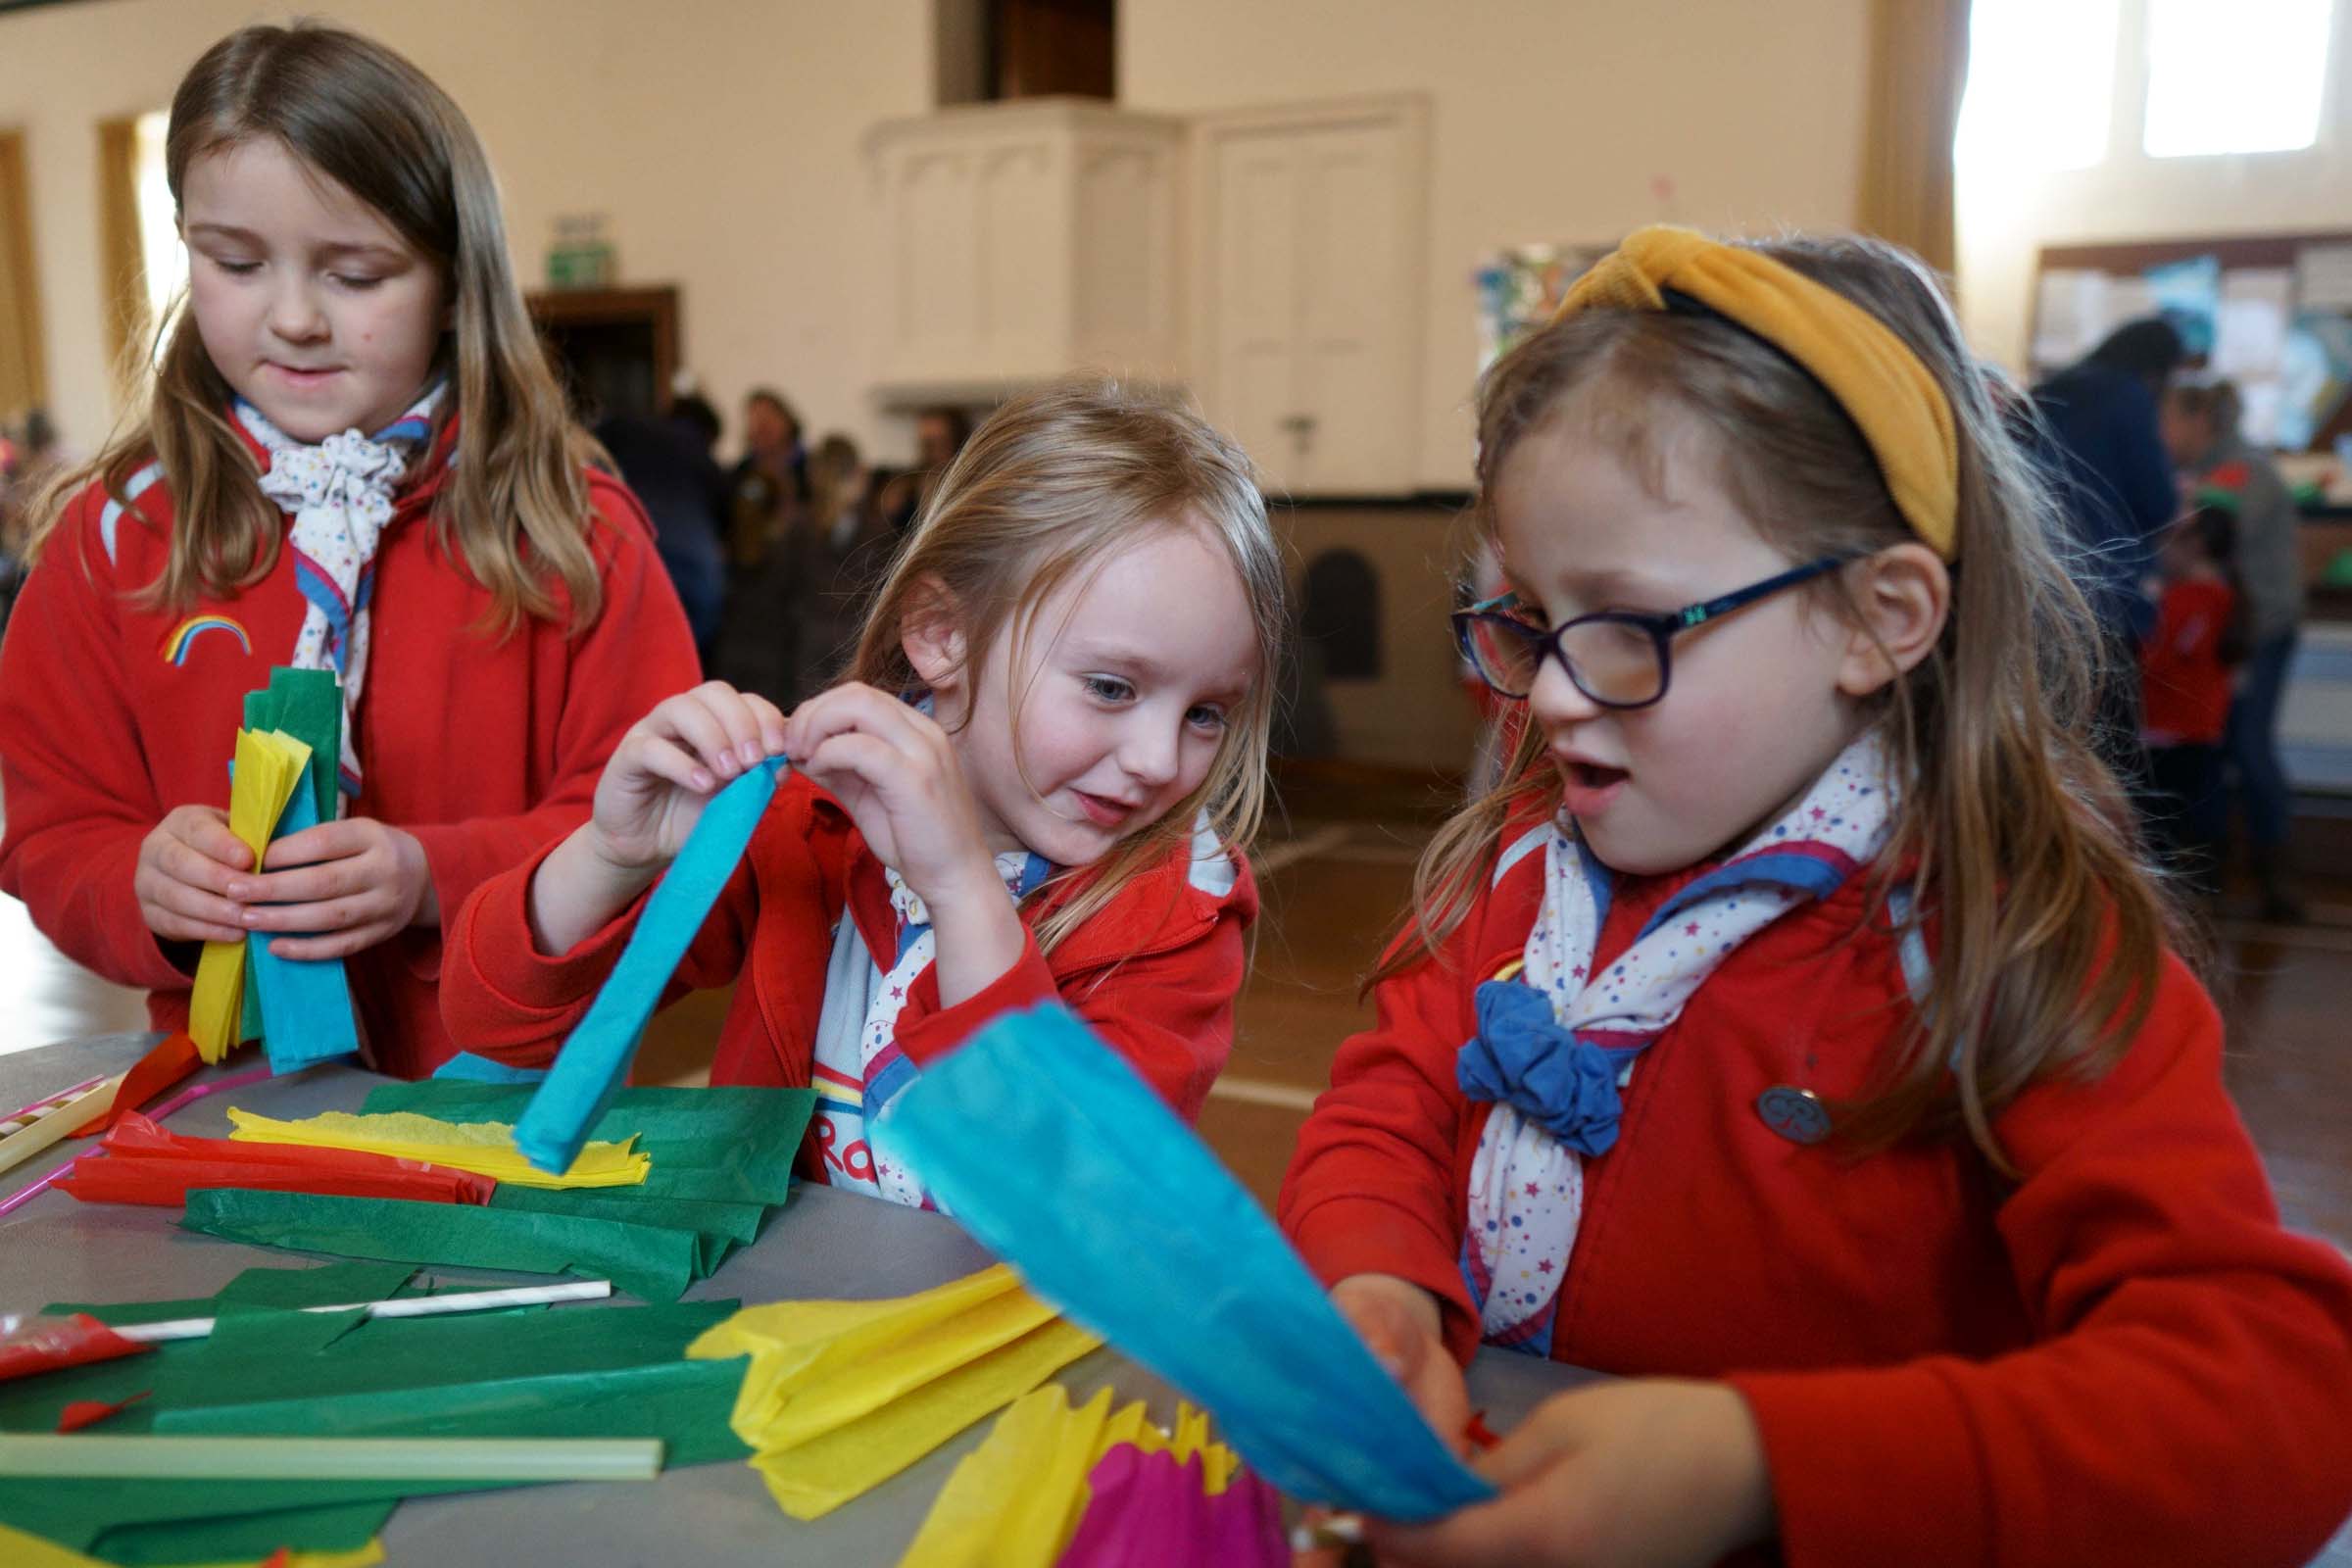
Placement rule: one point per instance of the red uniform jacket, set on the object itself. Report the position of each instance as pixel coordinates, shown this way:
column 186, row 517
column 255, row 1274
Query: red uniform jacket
column 2117, row 1359
column 2183, row 685
column 1155, row 972
column 484, row 746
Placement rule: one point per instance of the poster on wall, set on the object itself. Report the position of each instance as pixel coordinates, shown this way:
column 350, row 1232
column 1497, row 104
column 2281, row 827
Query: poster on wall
column 2271, row 313
column 1520, row 286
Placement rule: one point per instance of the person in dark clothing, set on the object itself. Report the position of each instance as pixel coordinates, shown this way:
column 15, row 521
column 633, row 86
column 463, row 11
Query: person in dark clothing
column 669, row 464
column 693, row 411
column 939, row 434
column 771, row 481
column 2103, row 443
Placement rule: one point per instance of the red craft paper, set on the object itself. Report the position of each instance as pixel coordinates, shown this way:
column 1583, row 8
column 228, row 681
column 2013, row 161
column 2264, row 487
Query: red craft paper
column 80, row 1413
column 1145, row 1509
column 40, row 1344
column 141, row 1162
column 166, row 1182
column 172, row 1059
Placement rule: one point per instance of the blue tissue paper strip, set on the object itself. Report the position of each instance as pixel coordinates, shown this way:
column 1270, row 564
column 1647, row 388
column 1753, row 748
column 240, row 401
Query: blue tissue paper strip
column 466, row 1067
column 306, row 1003
column 593, row 1061
column 1050, row 1149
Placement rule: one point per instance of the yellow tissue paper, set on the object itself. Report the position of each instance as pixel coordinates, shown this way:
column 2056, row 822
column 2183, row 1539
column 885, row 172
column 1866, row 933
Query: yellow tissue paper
column 20, row 1550
column 357, row 1557
column 269, row 765
column 841, row 1396
column 484, row 1146
column 1016, row 1499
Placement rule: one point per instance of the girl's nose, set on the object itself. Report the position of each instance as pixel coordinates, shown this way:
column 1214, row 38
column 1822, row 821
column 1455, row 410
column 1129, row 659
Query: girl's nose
column 1147, row 754
column 1555, row 700
column 295, row 315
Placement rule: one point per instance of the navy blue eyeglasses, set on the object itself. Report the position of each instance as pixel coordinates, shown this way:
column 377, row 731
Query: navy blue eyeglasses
column 1618, row 658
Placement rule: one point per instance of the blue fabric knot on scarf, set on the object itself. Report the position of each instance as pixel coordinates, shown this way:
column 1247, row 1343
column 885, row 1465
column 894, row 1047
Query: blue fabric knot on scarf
column 1524, row 1057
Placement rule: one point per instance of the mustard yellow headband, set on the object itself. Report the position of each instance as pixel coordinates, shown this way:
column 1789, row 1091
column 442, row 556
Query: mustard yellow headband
column 1872, row 374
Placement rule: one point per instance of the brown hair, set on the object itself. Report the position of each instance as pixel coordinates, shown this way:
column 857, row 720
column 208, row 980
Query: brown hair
column 1044, row 491
column 2049, row 931
column 362, row 115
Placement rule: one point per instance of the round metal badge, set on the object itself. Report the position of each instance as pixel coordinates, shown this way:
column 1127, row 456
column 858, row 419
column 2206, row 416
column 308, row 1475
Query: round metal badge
column 1796, row 1115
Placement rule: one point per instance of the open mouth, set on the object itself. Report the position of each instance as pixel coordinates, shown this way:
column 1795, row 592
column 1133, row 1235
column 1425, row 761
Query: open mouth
column 1594, row 776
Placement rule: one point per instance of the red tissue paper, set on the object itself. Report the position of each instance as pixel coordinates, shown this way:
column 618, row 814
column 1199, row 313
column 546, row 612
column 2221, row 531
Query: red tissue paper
column 141, row 1162
column 35, row 1343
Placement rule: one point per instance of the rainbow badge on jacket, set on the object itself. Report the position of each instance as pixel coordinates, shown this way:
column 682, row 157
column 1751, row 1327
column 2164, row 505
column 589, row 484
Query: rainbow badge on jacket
column 183, row 636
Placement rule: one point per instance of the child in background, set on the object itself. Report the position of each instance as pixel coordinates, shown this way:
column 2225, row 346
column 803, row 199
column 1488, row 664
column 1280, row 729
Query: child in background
column 1828, row 1076
column 2218, row 463
column 353, row 458
column 2184, row 680
column 1038, row 782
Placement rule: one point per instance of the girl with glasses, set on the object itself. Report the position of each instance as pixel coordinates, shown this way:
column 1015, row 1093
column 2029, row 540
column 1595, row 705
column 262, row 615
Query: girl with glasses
column 1794, row 1030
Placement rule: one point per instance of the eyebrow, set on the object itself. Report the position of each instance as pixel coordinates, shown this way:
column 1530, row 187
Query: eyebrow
column 1597, row 587
column 341, row 248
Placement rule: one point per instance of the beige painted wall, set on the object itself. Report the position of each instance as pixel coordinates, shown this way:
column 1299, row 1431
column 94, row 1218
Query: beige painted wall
column 1550, row 120
column 2005, row 216
column 719, row 136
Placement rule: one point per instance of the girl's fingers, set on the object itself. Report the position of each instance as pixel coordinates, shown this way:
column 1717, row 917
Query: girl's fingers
column 309, row 888
column 328, row 841
column 854, row 753
column 337, row 945
column 1513, row 1528
column 196, row 916
column 198, row 906
column 737, row 720
column 192, row 931
column 692, row 721
column 770, row 721
column 1553, row 1432
column 667, row 760
column 183, row 863
column 207, row 833
column 315, row 918
column 858, row 710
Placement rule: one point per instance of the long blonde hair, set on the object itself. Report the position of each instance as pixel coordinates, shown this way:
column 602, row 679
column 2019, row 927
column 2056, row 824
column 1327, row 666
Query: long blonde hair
column 1044, row 491
column 515, row 507
column 2048, row 930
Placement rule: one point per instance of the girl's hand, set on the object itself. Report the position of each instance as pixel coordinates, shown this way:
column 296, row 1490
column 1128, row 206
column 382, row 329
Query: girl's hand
column 1653, row 1472
column 344, row 886
column 1399, row 1321
column 670, row 765
column 186, row 867
column 895, row 771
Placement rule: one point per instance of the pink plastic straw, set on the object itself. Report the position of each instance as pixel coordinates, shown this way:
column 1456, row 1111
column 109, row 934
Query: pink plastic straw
column 18, row 1200
column 197, row 1091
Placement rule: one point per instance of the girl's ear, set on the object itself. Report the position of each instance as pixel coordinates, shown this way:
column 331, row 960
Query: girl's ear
column 1902, row 596
column 931, row 631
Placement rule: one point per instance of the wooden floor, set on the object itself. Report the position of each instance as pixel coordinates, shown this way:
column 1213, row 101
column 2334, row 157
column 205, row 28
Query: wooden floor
column 1333, row 883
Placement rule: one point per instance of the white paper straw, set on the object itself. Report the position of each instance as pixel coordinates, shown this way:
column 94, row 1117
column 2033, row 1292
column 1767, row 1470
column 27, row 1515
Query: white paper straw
column 56, row 1125
column 216, row 1458
column 197, row 1328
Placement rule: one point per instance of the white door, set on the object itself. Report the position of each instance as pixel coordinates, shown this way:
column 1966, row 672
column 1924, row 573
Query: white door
column 1313, row 312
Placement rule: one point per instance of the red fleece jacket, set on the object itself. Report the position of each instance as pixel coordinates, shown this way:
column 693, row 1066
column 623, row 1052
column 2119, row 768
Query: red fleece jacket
column 2118, row 1358
column 485, row 746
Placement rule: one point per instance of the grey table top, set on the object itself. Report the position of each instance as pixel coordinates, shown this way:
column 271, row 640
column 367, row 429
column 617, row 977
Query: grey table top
column 825, row 1242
